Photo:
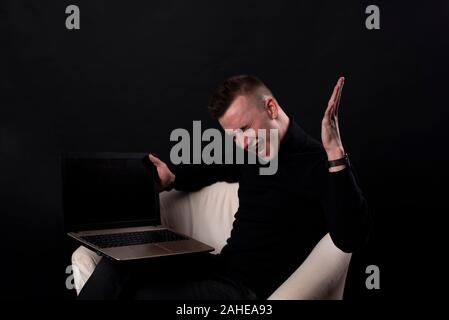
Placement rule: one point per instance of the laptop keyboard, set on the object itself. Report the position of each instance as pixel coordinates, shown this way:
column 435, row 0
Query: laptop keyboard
column 132, row 238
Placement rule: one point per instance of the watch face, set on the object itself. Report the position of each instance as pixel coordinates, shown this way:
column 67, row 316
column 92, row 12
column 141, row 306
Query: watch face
column 347, row 160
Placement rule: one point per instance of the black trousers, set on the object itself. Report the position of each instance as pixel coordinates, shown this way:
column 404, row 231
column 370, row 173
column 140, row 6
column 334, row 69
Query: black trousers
column 190, row 277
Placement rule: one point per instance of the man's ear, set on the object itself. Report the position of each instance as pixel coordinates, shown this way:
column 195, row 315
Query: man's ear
column 272, row 108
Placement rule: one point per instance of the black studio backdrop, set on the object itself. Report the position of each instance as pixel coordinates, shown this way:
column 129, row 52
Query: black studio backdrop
column 136, row 70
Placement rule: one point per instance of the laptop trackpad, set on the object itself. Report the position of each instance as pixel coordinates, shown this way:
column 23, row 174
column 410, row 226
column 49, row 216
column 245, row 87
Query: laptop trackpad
column 184, row 246
column 137, row 251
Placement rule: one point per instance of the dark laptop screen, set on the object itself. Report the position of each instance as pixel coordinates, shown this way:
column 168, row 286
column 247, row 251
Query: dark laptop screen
column 108, row 190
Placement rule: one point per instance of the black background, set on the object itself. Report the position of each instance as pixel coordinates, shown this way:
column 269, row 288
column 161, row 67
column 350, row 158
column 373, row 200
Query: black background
column 137, row 70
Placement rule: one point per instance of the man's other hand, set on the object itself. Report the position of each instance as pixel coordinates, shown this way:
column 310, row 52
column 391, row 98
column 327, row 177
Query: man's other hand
column 166, row 177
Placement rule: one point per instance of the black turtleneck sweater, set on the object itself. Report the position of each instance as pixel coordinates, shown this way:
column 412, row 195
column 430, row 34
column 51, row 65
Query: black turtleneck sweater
column 281, row 217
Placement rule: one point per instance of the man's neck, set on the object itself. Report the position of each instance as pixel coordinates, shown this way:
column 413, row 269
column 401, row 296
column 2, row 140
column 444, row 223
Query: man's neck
column 284, row 122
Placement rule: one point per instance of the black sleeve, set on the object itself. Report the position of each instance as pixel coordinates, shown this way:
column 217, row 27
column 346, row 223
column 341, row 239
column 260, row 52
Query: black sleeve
column 345, row 208
column 346, row 211
column 193, row 177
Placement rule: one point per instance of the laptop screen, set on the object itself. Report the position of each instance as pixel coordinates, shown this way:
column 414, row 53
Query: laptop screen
column 108, row 190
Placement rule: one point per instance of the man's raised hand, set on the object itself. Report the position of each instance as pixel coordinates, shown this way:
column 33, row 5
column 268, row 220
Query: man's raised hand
column 330, row 132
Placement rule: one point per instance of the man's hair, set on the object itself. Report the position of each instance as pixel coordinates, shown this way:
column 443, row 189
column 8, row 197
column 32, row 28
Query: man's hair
column 230, row 89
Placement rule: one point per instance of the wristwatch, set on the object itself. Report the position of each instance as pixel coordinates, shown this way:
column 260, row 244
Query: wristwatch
column 339, row 162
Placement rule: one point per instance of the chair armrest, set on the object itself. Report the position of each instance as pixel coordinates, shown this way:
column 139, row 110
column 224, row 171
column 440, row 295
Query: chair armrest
column 321, row 276
column 84, row 262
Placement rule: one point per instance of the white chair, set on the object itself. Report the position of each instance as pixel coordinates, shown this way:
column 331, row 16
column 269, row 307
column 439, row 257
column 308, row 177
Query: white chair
column 207, row 215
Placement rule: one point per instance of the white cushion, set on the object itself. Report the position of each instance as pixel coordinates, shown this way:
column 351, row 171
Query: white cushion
column 206, row 215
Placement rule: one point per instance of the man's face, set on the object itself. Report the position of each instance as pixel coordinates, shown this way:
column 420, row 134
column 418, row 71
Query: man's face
column 246, row 118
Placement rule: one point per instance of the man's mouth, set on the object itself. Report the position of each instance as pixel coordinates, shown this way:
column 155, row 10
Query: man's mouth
column 261, row 151
column 257, row 148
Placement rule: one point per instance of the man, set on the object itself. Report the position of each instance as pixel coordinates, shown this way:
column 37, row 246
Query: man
column 281, row 217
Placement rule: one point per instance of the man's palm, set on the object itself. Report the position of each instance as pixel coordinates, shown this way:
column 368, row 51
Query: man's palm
column 330, row 132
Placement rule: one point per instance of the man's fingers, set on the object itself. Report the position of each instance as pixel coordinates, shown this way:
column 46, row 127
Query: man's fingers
column 334, row 94
column 156, row 161
column 327, row 112
column 337, row 104
column 332, row 105
column 331, row 101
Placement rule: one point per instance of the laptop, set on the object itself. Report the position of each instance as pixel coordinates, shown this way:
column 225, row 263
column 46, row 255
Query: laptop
column 111, row 206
